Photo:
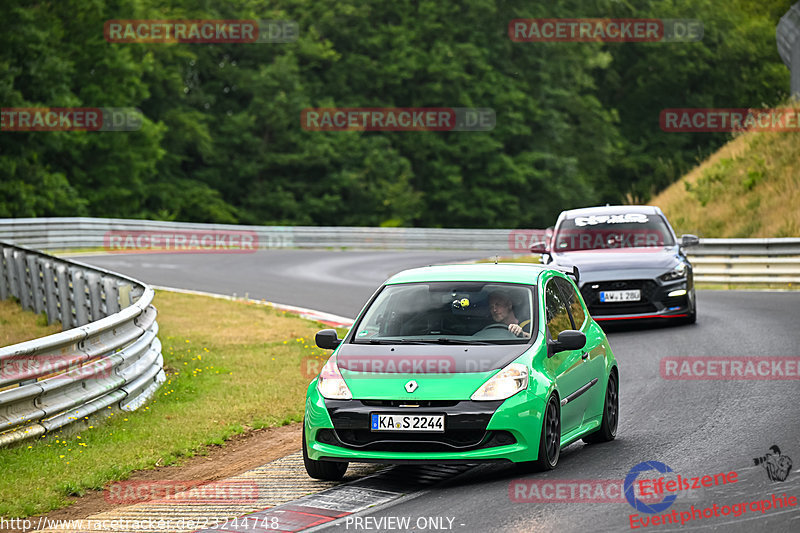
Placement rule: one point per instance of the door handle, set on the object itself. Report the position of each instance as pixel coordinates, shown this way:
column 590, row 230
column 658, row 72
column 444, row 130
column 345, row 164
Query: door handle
column 585, row 356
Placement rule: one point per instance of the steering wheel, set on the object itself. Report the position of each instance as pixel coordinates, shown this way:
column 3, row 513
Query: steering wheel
column 485, row 333
column 496, row 325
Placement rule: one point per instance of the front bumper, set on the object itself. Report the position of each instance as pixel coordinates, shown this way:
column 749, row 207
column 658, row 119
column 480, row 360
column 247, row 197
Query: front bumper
column 474, row 431
column 655, row 303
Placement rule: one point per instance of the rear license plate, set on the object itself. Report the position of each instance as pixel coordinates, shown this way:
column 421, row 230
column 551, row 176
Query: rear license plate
column 404, row 422
column 633, row 295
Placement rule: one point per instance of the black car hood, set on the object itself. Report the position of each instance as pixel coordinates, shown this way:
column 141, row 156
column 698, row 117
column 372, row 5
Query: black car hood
column 427, row 358
column 620, row 263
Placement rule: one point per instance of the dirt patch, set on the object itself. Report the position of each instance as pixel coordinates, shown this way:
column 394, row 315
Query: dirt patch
column 239, row 454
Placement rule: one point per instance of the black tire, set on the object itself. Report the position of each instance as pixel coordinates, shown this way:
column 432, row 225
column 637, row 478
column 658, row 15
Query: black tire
column 550, row 438
column 692, row 318
column 324, row 470
column 608, row 425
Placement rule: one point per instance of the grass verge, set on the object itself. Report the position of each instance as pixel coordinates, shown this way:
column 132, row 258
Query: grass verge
column 749, row 188
column 231, row 366
column 17, row 325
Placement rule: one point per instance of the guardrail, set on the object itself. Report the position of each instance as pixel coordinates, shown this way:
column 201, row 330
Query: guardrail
column 747, row 261
column 730, row 261
column 78, row 232
column 108, row 354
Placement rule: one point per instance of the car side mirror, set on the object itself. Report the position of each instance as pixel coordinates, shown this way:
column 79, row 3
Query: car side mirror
column 569, row 339
column 327, row 339
column 540, row 248
column 689, row 240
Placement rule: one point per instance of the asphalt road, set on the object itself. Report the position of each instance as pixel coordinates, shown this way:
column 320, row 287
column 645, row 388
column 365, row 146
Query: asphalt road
column 697, row 428
column 334, row 282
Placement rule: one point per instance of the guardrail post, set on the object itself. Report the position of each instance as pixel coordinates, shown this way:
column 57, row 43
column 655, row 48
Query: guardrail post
column 124, row 291
column 64, row 304
column 50, row 294
column 79, row 297
column 11, row 272
column 3, row 281
column 136, row 293
column 34, row 267
column 95, row 295
column 795, row 69
column 111, row 296
column 23, row 277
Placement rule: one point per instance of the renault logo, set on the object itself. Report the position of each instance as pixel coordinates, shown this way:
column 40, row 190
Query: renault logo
column 411, row 386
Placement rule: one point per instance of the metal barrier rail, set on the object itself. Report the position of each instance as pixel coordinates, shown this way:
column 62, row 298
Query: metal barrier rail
column 108, row 353
column 732, row 261
column 746, row 270
column 747, row 261
column 77, row 232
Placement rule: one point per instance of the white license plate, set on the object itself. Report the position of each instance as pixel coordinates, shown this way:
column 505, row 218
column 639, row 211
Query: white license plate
column 404, row 422
column 633, row 295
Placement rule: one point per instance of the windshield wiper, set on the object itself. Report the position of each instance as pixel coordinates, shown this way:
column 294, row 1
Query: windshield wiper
column 447, row 340
column 440, row 340
column 398, row 341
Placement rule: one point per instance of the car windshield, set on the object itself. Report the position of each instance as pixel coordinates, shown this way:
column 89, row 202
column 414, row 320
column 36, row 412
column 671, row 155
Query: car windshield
column 448, row 313
column 613, row 231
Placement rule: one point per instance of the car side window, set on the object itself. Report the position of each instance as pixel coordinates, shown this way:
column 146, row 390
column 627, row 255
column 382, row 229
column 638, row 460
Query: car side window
column 573, row 301
column 557, row 316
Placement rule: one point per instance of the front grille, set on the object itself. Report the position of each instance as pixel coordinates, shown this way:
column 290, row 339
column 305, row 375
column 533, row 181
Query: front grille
column 591, row 296
column 465, row 425
column 420, row 403
column 449, row 441
column 622, row 309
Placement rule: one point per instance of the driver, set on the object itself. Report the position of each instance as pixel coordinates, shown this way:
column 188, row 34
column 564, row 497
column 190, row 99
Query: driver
column 502, row 311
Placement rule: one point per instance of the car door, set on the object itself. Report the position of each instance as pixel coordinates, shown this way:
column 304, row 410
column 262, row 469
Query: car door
column 592, row 369
column 567, row 366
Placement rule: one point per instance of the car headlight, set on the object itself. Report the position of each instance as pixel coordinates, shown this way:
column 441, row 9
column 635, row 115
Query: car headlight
column 676, row 273
column 331, row 384
column 504, row 384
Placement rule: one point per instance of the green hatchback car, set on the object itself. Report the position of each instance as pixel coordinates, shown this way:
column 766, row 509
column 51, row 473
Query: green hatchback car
column 463, row 364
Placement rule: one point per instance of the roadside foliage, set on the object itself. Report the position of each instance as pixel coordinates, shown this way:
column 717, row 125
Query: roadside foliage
column 221, row 139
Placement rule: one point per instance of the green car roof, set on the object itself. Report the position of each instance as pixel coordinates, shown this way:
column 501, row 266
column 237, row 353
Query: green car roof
column 526, row 273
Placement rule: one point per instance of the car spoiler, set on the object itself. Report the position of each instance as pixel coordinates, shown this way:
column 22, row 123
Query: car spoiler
column 575, row 273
